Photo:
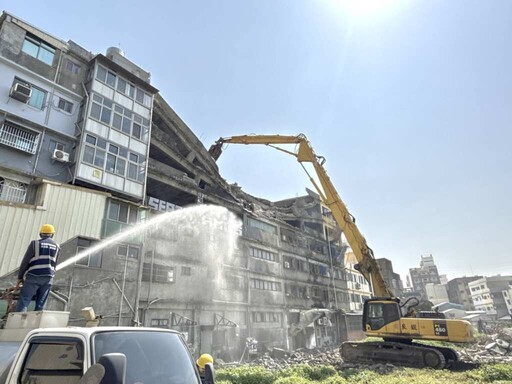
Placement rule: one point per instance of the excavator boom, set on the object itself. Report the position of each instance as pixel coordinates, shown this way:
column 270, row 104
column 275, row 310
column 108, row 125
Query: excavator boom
column 330, row 197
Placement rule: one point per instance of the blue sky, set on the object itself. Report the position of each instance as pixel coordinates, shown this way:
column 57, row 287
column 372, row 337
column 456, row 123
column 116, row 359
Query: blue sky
column 409, row 102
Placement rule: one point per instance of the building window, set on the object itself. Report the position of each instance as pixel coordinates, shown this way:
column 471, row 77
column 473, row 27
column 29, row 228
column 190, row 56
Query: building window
column 160, row 323
column 136, row 167
column 161, row 273
column 92, row 261
column 116, row 159
column 94, row 151
column 37, row 99
column 130, row 251
column 13, row 191
column 122, row 119
column 121, row 85
column 122, row 212
column 101, row 109
column 65, row 105
column 16, row 137
column 296, row 291
column 323, row 270
column 143, row 98
column 128, row 122
column 72, row 67
column 125, row 87
column 54, row 144
column 266, row 317
column 261, row 225
column 186, row 271
column 37, row 95
column 140, row 129
column 37, row 48
column 265, row 285
column 106, row 76
column 261, row 254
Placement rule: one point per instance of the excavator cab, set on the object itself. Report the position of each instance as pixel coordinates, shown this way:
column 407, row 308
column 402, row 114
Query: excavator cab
column 380, row 312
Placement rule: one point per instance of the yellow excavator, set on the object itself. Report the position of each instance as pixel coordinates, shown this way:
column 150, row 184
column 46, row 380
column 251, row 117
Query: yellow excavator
column 384, row 315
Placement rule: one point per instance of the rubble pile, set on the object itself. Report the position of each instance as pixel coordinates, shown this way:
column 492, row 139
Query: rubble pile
column 279, row 359
column 493, row 348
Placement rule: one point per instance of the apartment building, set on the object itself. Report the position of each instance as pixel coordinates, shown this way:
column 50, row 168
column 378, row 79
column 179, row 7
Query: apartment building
column 41, row 89
column 358, row 287
column 490, row 294
column 88, row 144
column 391, row 278
column 436, row 293
column 426, row 273
column 459, row 292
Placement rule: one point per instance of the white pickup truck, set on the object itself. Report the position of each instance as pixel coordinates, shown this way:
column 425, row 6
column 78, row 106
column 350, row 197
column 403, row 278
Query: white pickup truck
column 113, row 355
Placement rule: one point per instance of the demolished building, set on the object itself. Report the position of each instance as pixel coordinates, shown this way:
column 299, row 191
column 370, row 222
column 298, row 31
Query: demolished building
column 93, row 148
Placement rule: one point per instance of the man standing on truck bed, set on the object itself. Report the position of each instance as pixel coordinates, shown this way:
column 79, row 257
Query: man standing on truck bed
column 38, row 269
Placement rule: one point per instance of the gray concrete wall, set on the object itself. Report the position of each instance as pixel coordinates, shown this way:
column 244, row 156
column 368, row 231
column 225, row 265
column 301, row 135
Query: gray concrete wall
column 11, row 42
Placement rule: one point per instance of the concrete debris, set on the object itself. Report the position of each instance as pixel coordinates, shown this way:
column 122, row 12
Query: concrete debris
column 322, row 356
column 493, row 348
column 506, row 335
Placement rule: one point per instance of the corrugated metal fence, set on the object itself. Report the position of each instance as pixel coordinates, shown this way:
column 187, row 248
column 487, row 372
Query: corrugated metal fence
column 72, row 210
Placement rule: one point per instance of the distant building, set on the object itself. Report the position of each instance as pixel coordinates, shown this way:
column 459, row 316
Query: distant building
column 390, row 277
column 507, row 295
column 426, row 273
column 443, row 279
column 436, row 293
column 358, row 287
column 459, row 293
column 488, row 295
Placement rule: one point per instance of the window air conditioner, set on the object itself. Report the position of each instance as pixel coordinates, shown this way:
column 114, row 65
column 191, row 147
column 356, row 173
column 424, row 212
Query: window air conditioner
column 21, row 92
column 358, row 286
column 286, row 264
column 60, row 156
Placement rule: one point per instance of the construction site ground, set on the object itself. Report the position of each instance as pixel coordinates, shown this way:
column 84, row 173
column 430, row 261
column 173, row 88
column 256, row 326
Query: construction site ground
column 488, row 360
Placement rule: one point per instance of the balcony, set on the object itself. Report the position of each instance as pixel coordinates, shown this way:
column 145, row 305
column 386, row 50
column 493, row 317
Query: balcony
column 18, row 138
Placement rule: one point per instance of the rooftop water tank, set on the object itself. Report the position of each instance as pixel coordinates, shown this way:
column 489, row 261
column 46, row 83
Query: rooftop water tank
column 114, row 51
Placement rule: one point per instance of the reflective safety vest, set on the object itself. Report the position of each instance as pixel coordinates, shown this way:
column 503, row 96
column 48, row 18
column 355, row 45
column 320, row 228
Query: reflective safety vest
column 45, row 258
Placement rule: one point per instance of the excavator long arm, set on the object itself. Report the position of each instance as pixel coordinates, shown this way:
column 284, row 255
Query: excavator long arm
column 330, row 197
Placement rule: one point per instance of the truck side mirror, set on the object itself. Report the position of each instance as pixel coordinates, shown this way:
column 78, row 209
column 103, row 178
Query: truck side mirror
column 209, row 374
column 115, row 368
column 94, row 375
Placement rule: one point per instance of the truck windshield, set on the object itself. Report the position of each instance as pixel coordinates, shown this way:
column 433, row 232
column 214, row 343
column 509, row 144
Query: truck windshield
column 151, row 357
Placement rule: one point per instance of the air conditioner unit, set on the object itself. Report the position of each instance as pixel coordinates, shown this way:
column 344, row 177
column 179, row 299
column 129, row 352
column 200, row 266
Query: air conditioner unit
column 358, row 286
column 21, row 92
column 286, row 264
column 60, row 156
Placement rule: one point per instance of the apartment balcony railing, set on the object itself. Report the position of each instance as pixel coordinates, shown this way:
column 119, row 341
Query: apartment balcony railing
column 16, row 137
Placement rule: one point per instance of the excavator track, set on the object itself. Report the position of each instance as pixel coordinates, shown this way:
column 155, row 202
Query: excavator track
column 409, row 355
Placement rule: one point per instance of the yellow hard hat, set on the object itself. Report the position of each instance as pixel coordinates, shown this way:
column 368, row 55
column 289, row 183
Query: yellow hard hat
column 47, row 229
column 203, row 360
